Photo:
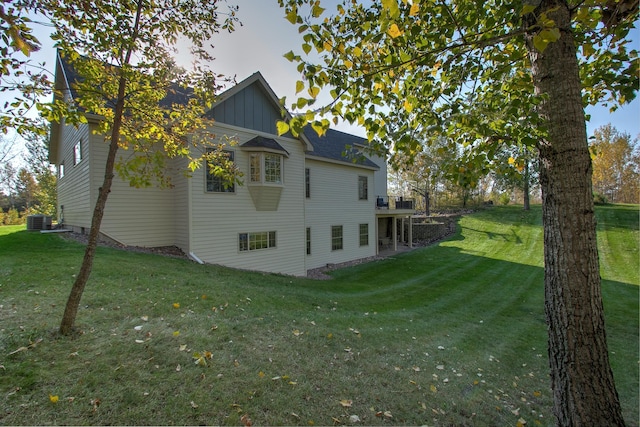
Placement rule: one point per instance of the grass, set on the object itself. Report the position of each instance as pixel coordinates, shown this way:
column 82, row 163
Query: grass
column 452, row 334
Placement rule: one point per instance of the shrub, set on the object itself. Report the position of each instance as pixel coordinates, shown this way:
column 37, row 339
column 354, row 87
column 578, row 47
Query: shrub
column 600, row 199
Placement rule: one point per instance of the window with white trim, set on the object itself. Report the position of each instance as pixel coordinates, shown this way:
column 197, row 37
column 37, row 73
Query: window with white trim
column 265, row 168
column 77, row 153
column 364, row 234
column 256, row 241
column 336, row 237
column 216, row 184
column 363, row 190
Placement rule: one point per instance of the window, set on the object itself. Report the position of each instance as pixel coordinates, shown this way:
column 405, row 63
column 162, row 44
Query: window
column 307, row 183
column 336, row 237
column 308, row 241
column 272, row 171
column 77, row 153
column 364, row 234
column 266, row 168
column 61, row 170
column 216, row 184
column 363, row 193
column 255, row 241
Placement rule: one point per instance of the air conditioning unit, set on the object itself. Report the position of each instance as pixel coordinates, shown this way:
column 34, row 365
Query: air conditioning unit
column 38, row 222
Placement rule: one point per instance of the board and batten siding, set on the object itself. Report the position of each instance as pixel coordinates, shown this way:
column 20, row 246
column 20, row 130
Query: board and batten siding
column 334, row 201
column 74, row 204
column 218, row 218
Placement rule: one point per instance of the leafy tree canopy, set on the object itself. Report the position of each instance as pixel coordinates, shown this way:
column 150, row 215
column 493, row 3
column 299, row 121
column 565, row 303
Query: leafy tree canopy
column 413, row 71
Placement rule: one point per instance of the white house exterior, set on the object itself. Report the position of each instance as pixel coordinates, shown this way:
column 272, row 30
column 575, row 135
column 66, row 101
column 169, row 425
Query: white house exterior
column 302, row 204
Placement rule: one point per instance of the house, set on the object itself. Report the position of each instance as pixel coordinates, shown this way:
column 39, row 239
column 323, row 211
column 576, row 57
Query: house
column 305, row 202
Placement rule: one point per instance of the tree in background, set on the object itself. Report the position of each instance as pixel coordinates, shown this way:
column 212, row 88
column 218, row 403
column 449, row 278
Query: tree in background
column 513, row 168
column 122, row 52
column 413, row 71
column 616, row 165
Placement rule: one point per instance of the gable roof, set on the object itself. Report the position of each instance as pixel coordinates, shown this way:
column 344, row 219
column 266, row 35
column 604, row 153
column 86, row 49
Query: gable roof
column 334, row 146
column 259, row 94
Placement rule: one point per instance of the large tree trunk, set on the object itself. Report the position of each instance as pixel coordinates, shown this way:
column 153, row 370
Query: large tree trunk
column 581, row 376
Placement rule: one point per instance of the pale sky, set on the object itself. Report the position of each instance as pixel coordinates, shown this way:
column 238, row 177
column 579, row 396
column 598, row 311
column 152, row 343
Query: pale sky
column 265, row 36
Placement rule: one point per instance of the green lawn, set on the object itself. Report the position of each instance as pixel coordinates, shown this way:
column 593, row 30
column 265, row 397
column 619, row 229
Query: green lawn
column 452, row 334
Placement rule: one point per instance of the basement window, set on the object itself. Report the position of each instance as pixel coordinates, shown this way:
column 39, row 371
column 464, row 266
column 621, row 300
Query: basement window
column 256, row 241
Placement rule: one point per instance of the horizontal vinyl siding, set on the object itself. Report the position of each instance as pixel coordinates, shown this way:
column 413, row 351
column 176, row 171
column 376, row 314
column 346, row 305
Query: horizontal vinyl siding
column 218, row 218
column 73, row 188
column 334, row 201
column 133, row 216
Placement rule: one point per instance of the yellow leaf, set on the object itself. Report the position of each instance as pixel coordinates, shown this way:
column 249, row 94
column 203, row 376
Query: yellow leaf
column 394, row 31
column 415, row 8
column 408, row 106
column 348, row 64
column 261, row 374
column 176, row 305
column 176, row 333
column 53, row 399
column 346, row 403
column 299, row 86
column 511, row 160
column 433, row 388
column 282, row 129
column 537, row 394
column 327, row 46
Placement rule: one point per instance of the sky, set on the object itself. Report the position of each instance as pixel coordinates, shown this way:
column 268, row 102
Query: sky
column 265, row 36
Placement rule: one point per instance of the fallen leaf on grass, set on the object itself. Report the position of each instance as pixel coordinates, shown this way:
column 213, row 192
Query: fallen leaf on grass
column 246, row 420
column 53, row 399
column 433, row 388
column 346, row 403
column 176, row 305
column 194, row 405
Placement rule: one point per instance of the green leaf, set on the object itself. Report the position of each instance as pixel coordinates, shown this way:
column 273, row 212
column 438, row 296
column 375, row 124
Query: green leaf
column 527, row 9
column 544, row 37
column 292, row 16
column 392, row 7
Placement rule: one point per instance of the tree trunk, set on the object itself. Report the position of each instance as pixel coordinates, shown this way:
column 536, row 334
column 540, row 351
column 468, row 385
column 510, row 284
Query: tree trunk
column 581, row 377
column 525, row 188
column 73, row 302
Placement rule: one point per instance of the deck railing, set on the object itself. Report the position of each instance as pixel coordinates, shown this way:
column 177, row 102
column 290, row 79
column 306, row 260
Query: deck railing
column 386, row 202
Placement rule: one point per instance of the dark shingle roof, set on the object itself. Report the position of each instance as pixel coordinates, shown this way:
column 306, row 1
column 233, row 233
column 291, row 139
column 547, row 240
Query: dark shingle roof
column 339, row 146
column 261, row 142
